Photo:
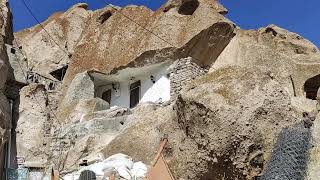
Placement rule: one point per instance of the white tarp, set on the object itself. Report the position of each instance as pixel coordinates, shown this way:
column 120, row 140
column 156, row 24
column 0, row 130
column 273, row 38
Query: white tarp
column 121, row 164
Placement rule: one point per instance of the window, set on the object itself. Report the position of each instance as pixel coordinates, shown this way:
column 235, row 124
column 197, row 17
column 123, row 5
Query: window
column 134, row 93
column 107, row 96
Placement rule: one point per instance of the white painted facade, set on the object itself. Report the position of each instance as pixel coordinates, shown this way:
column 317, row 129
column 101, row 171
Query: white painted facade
column 157, row 91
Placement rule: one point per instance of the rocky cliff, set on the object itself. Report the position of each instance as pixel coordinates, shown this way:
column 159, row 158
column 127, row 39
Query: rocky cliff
column 115, row 36
column 244, row 89
column 6, row 76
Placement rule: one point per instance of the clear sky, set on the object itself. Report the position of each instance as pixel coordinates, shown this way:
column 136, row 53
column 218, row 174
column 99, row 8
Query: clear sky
column 300, row 16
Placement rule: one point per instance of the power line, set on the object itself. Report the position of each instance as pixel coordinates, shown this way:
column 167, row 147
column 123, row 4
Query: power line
column 50, row 36
column 20, row 66
column 140, row 25
column 35, row 18
column 150, row 31
column 37, row 102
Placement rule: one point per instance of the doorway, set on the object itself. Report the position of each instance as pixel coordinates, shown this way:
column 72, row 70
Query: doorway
column 134, row 93
column 107, row 96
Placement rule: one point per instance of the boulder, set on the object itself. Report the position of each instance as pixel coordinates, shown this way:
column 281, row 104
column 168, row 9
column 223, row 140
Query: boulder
column 289, row 58
column 81, row 87
column 232, row 117
column 86, row 107
column 33, row 125
column 18, row 64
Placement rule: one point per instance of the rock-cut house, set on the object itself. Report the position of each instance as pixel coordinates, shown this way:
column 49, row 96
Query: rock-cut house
column 130, row 85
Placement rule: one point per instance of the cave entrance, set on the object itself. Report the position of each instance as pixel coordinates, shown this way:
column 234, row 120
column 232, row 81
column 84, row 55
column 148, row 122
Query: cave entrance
column 311, row 87
column 188, row 7
column 104, row 17
column 59, row 73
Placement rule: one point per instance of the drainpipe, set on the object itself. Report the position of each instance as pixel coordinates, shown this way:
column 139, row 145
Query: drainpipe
column 10, row 135
column 9, row 144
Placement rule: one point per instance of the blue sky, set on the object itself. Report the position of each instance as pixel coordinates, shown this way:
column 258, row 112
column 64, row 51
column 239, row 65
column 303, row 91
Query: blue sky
column 300, row 16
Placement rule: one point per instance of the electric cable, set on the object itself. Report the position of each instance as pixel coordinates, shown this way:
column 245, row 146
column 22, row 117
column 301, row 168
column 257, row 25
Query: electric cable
column 36, row 19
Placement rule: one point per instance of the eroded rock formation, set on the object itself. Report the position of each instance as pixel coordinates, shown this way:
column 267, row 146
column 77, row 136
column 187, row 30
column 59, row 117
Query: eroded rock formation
column 6, row 78
column 232, row 91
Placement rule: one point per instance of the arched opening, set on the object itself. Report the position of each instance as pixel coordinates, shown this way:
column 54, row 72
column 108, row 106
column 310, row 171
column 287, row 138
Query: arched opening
column 188, row 7
column 311, row 87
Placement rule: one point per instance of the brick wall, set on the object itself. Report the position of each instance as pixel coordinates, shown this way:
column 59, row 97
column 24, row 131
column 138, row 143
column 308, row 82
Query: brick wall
column 182, row 72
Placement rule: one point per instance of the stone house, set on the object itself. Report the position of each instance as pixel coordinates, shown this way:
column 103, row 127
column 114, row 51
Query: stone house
column 129, row 86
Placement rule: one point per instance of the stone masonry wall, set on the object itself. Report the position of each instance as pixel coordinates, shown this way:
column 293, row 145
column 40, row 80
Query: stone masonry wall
column 182, row 72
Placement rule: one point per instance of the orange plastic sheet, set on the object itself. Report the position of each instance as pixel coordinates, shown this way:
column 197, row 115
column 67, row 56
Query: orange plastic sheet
column 160, row 169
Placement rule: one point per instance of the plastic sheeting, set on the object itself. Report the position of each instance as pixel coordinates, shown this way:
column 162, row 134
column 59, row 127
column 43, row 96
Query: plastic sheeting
column 120, row 164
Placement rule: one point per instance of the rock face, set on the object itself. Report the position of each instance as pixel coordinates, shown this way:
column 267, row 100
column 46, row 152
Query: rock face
column 49, row 49
column 6, row 76
column 233, row 91
column 5, row 68
column 34, row 117
column 290, row 58
column 104, row 34
column 80, row 82
column 233, row 122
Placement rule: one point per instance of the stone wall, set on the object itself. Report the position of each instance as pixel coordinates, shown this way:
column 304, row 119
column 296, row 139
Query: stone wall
column 182, row 72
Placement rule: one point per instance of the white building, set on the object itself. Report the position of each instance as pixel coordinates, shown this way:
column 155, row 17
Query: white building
column 132, row 84
column 129, row 86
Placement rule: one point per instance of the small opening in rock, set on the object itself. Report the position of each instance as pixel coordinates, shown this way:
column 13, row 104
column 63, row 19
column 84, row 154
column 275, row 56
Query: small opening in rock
column 104, row 16
column 13, row 51
column 84, row 163
column 223, row 12
column 59, row 73
column 188, row 7
column 51, row 86
column 270, row 30
column 121, row 122
column 311, row 87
